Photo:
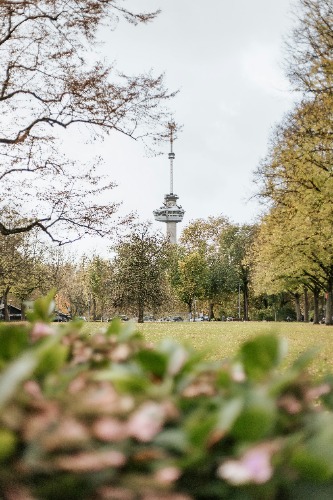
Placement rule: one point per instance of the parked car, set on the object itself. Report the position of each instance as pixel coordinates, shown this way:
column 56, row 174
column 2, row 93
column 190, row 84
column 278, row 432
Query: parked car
column 61, row 318
column 123, row 317
column 149, row 318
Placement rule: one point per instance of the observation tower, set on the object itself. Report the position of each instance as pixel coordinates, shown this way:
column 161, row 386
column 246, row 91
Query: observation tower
column 170, row 212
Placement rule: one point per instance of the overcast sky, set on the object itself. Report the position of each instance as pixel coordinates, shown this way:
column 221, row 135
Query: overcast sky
column 226, row 58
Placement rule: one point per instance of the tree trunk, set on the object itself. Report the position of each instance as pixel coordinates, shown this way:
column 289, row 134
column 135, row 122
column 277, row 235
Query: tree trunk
column 306, row 305
column 140, row 315
column 94, row 309
column 246, row 301
column 5, row 305
column 211, row 311
column 297, row 307
column 23, row 308
column 329, row 304
column 189, row 305
column 316, row 292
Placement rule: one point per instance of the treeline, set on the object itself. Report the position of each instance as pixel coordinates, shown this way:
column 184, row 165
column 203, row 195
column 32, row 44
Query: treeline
column 211, row 272
column 131, row 280
column 293, row 250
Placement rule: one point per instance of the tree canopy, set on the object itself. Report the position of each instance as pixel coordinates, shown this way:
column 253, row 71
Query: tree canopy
column 52, row 80
column 295, row 246
column 139, row 279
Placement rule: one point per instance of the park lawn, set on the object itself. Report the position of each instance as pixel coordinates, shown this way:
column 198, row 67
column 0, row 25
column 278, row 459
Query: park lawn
column 219, row 340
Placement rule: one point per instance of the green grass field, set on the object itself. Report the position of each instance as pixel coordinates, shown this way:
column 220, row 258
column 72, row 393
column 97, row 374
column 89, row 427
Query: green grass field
column 222, row 339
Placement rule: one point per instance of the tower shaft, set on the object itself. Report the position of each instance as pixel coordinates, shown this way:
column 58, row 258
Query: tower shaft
column 171, row 232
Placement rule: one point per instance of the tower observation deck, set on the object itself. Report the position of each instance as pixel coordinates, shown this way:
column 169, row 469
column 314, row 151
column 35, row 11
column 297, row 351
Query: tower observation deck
column 170, row 213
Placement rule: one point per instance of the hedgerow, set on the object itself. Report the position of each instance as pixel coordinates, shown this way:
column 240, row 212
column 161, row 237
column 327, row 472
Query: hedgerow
column 110, row 417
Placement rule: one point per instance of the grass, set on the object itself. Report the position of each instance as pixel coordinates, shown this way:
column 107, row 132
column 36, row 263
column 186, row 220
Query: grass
column 222, row 339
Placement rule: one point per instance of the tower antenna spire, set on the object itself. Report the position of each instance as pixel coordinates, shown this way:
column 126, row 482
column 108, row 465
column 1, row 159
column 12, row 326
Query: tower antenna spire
column 170, row 213
column 172, row 155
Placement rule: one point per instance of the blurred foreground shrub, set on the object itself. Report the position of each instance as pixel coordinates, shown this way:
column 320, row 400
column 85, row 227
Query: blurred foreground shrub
column 108, row 417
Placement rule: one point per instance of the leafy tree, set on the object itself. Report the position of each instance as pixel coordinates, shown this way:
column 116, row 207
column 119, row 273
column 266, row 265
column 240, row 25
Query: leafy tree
column 297, row 173
column 276, row 266
column 219, row 281
column 203, row 236
column 234, row 244
column 222, row 246
column 76, row 289
column 189, row 277
column 297, row 179
column 18, row 255
column 99, row 280
column 310, row 64
column 11, row 266
column 51, row 80
column 33, row 276
column 139, row 271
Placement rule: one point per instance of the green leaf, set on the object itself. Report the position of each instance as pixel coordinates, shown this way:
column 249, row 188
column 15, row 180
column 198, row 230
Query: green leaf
column 200, row 425
column 7, row 444
column 115, row 327
column 153, row 361
column 178, row 355
column 17, row 371
column 314, row 457
column 312, row 466
column 257, row 418
column 328, row 398
column 128, row 332
column 63, row 487
column 23, row 367
column 42, row 308
column 52, row 360
column 125, row 378
column 305, row 359
column 173, row 439
column 229, row 412
column 224, row 379
column 261, row 355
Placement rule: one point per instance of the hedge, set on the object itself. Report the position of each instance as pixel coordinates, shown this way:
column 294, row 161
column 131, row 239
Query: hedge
column 109, row 417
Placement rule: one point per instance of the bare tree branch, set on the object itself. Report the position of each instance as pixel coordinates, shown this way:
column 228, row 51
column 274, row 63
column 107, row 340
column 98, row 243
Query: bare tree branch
column 50, row 81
